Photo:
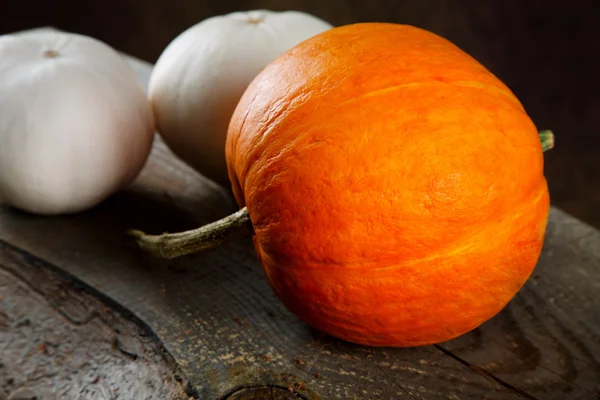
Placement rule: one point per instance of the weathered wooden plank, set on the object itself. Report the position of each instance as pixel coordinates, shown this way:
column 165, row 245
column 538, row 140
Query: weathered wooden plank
column 218, row 318
column 58, row 341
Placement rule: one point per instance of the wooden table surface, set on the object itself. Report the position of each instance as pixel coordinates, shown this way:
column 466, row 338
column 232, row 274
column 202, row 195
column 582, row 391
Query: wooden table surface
column 208, row 326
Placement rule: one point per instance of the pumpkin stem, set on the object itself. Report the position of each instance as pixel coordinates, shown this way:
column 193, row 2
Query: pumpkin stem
column 172, row 245
column 547, row 139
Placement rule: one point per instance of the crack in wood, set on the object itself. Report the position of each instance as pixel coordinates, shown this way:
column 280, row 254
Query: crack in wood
column 394, row 381
column 117, row 346
column 85, row 321
column 25, row 366
column 266, row 392
column 94, row 315
column 485, row 373
column 558, row 374
column 568, row 333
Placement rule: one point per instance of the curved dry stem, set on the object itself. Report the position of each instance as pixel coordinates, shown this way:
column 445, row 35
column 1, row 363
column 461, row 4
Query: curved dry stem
column 172, row 245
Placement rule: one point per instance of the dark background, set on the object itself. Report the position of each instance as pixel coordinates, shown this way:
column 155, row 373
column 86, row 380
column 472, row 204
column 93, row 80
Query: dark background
column 547, row 52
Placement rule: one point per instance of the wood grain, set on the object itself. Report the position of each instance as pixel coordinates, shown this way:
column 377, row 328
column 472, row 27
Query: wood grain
column 218, row 318
column 58, row 341
column 231, row 337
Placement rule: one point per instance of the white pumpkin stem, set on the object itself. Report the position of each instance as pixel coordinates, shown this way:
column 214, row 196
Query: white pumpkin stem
column 172, row 245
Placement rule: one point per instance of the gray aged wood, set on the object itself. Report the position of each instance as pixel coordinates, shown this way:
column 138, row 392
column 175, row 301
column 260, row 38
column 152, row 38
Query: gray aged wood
column 219, row 320
column 58, row 341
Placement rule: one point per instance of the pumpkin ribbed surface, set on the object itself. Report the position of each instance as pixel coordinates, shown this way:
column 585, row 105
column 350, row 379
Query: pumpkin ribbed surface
column 395, row 185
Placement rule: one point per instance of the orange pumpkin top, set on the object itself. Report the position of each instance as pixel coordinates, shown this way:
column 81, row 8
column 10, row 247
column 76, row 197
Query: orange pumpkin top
column 395, row 185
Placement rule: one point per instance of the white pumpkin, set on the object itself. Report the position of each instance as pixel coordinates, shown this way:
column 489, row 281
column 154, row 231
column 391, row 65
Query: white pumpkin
column 201, row 75
column 75, row 124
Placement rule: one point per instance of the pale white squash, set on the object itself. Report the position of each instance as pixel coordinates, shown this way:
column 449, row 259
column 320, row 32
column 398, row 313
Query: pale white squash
column 75, row 124
column 201, row 75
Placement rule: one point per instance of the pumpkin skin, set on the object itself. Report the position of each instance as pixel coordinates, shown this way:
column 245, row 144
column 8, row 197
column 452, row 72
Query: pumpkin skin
column 395, row 185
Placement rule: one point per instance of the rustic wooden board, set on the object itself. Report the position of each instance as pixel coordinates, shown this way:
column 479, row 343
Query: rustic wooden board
column 231, row 337
column 214, row 311
column 58, row 341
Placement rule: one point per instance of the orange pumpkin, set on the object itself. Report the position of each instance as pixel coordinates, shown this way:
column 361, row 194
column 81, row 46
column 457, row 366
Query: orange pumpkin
column 395, row 185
